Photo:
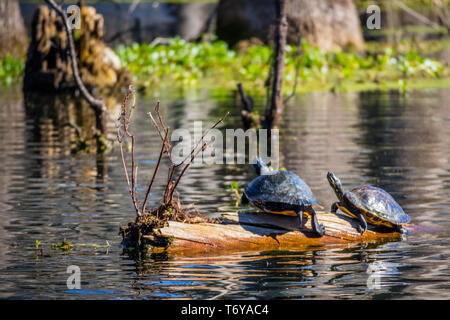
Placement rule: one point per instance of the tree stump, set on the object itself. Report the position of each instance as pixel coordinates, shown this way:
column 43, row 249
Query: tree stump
column 48, row 65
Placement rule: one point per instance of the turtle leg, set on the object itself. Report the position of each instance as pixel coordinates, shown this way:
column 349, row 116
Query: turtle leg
column 244, row 199
column 362, row 227
column 300, row 217
column 317, row 228
column 334, row 207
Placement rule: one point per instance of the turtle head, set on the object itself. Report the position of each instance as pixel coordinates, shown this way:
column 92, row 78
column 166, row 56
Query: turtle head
column 335, row 183
column 260, row 166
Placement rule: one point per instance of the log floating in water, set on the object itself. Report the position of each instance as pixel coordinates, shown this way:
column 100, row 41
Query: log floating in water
column 244, row 231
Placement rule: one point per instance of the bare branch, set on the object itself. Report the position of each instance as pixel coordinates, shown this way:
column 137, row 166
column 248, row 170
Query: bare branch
column 123, row 133
column 154, row 173
column 204, row 145
column 193, row 154
column 164, row 128
column 297, row 70
column 123, row 123
column 201, row 139
column 97, row 104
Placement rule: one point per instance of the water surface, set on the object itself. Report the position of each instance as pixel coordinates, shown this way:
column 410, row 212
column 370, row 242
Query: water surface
column 398, row 142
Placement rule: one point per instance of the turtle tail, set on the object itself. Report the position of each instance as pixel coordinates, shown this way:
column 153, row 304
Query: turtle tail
column 260, row 166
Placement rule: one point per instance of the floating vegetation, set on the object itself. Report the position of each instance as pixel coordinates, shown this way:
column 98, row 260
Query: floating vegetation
column 215, row 64
column 67, row 246
column 189, row 63
column 94, row 245
column 62, row 246
column 11, row 70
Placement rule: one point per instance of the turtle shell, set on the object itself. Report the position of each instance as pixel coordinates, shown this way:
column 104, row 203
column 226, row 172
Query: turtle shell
column 280, row 192
column 377, row 206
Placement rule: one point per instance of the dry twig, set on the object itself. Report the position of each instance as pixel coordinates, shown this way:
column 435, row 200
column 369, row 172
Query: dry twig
column 122, row 134
column 163, row 130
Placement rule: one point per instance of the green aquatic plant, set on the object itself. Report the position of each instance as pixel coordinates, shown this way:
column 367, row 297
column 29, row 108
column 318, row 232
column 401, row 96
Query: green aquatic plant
column 94, row 245
column 38, row 250
column 11, row 70
column 235, row 187
column 214, row 63
column 62, row 246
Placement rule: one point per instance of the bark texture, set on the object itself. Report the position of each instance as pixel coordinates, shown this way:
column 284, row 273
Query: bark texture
column 276, row 106
column 328, row 24
column 48, row 65
column 246, row 231
column 13, row 36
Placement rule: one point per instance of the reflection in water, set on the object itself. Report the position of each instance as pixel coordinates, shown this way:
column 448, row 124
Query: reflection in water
column 399, row 142
column 331, row 272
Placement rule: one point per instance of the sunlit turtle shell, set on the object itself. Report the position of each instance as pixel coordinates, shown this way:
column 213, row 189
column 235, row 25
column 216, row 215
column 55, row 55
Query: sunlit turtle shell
column 377, row 206
column 281, row 192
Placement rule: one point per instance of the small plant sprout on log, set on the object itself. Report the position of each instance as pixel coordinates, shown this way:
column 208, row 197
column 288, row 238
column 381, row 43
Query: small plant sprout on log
column 148, row 220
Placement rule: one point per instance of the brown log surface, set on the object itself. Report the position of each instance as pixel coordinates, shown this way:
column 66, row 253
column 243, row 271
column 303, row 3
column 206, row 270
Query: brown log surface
column 244, row 231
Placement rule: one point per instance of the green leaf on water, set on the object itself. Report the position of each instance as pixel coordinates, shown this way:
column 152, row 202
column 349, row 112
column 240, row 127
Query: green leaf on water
column 62, row 246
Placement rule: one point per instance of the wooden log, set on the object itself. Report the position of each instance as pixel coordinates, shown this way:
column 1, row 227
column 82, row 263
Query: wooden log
column 245, row 231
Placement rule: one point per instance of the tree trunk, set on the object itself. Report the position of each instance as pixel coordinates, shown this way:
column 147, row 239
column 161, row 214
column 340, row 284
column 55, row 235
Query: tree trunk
column 328, row 24
column 13, row 36
column 193, row 19
column 276, row 106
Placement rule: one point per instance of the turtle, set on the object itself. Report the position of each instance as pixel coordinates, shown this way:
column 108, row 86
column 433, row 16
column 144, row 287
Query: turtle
column 282, row 192
column 368, row 203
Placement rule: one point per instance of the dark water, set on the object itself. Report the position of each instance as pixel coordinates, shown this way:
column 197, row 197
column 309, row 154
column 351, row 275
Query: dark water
column 398, row 142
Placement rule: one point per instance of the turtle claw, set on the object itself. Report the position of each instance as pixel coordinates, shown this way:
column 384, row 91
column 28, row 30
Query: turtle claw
column 403, row 230
column 321, row 230
column 362, row 226
column 361, row 230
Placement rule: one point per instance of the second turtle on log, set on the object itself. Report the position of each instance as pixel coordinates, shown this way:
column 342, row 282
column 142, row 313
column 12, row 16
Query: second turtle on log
column 369, row 203
column 282, row 192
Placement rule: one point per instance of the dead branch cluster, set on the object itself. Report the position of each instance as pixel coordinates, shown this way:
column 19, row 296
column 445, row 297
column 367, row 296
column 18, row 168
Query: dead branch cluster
column 169, row 209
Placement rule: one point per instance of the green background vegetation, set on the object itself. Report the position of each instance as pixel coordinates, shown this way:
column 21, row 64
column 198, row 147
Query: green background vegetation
column 214, row 64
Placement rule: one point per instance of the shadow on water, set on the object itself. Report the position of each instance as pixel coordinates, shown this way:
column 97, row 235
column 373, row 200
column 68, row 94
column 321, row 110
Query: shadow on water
column 399, row 142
